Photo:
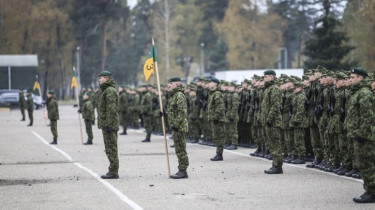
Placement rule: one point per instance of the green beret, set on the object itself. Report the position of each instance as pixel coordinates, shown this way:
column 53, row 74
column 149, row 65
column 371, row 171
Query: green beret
column 304, row 77
column 359, row 71
column 340, row 75
column 269, row 72
column 330, row 74
column 51, row 92
column 296, row 78
column 309, row 72
column 104, row 73
column 292, row 79
column 175, row 79
column 284, row 76
column 320, row 69
column 213, row 79
column 298, row 84
column 193, row 87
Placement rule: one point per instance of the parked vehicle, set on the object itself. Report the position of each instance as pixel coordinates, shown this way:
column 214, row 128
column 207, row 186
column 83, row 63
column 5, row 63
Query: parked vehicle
column 11, row 97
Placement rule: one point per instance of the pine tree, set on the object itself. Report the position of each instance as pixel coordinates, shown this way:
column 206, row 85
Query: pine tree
column 327, row 46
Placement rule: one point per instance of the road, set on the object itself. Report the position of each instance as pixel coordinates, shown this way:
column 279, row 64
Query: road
column 36, row 175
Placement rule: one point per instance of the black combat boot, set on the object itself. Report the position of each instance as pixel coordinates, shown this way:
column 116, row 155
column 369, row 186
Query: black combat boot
column 181, row 174
column 232, row 147
column 110, row 176
column 356, row 175
column 342, row 172
column 365, row 198
column 146, row 140
column 23, row 119
column 270, row 157
column 29, row 125
column 294, row 157
column 299, row 160
column 256, row 153
column 322, row 164
column 89, row 142
column 338, row 169
column 350, row 173
column 124, row 133
column 328, row 167
column 316, row 162
column 274, row 170
column 218, row 157
column 54, row 141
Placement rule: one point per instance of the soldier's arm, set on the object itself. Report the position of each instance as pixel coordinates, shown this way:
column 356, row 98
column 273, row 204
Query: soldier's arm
column 275, row 107
column 367, row 116
column 111, row 109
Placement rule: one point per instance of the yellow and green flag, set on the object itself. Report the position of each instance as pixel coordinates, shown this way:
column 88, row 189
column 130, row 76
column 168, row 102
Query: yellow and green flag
column 36, row 83
column 74, row 81
column 148, row 68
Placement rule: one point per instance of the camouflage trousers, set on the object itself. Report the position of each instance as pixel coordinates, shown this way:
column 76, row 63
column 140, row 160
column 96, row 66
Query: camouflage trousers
column 323, row 138
column 231, row 134
column 22, row 112
column 110, row 144
column 261, row 137
column 274, row 145
column 135, row 119
column 254, row 136
column 179, row 140
column 365, row 153
column 351, row 161
column 124, row 120
column 315, row 141
column 31, row 117
column 218, row 136
column 299, row 141
column 193, row 129
column 54, row 128
column 88, row 125
column 147, row 123
column 290, row 146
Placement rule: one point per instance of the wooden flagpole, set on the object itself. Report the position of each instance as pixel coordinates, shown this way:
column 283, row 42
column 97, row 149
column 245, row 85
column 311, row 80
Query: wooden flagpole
column 79, row 114
column 161, row 110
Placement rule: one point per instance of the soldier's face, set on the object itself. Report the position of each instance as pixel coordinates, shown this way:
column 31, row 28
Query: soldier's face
column 373, row 85
column 268, row 78
column 340, row 83
column 102, row 80
column 354, row 78
column 85, row 97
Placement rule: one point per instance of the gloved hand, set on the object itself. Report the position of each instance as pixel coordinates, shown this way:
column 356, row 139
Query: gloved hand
column 360, row 139
column 268, row 124
column 216, row 122
column 108, row 129
column 161, row 114
column 174, row 128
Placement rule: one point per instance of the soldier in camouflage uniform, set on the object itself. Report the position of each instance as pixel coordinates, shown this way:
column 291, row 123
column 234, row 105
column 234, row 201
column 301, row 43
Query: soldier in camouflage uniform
column 298, row 122
column 216, row 116
column 360, row 125
column 177, row 118
column 271, row 117
column 89, row 116
column 123, row 109
column 22, row 104
column 30, row 108
column 108, row 121
column 287, row 99
column 146, row 111
column 53, row 114
column 193, row 112
column 233, row 101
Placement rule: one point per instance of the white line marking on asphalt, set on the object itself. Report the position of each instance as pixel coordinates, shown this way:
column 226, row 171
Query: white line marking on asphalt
column 55, row 148
column 95, row 175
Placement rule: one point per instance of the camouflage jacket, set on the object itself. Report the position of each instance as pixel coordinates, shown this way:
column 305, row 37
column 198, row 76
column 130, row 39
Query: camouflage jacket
column 177, row 109
column 299, row 115
column 233, row 101
column 335, row 124
column 216, row 106
column 88, row 110
column 193, row 110
column 286, row 108
column 123, row 102
column 21, row 101
column 271, row 104
column 361, row 113
column 146, row 104
column 52, row 108
column 30, row 103
column 108, row 106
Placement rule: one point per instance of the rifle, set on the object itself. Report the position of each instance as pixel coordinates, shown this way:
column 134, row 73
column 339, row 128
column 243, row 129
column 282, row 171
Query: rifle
column 319, row 108
column 290, row 111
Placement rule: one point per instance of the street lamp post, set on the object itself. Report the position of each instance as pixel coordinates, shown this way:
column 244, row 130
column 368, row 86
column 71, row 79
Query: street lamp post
column 202, row 58
column 78, row 69
column 285, row 58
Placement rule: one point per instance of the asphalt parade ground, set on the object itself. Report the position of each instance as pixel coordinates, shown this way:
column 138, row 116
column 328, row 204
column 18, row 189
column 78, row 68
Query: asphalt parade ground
column 36, row 175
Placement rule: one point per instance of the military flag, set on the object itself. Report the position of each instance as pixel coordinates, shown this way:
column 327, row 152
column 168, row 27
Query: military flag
column 74, row 81
column 36, row 83
column 148, row 68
